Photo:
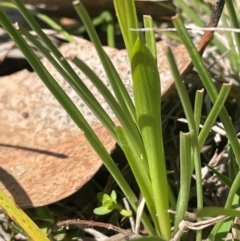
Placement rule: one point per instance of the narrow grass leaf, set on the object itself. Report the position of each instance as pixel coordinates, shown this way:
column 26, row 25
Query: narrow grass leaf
column 206, row 79
column 235, row 24
column 20, row 218
column 117, row 85
column 198, row 108
column 224, row 179
column 214, row 113
column 127, row 19
column 140, row 171
column 227, row 224
column 146, row 88
column 217, row 211
column 185, row 179
column 76, row 84
column 150, row 36
column 185, row 101
column 71, row 109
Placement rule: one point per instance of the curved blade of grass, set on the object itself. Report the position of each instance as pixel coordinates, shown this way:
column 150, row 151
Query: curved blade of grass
column 140, row 171
column 127, row 19
column 21, row 219
column 198, row 109
column 105, row 93
column 217, row 107
column 227, row 181
column 114, row 79
column 150, row 36
column 118, row 87
column 80, row 88
column 210, row 87
column 71, row 109
column 185, row 101
column 235, row 23
column 111, row 71
column 217, row 211
column 185, row 179
column 54, row 25
column 106, row 18
column 146, row 88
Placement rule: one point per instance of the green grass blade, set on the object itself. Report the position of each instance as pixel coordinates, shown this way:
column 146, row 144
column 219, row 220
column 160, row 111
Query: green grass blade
column 206, row 79
column 198, row 108
column 150, row 36
column 55, row 26
column 105, row 92
column 217, row 211
column 71, row 109
column 233, row 190
column 80, row 88
column 146, row 88
column 20, row 218
column 114, row 79
column 140, row 172
column 127, row 19
column 185, row 179
column 185, row 101
column 234, row 21
column 217, row 107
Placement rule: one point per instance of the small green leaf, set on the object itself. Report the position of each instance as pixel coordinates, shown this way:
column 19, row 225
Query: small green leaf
column 101, row 210
column 109, row 204
column 126, row 213
column 44, row 214
column 103, row 197
column 114, row 195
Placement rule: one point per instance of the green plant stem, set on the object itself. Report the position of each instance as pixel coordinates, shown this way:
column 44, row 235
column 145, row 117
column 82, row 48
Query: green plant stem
column 80, row 88
column 235, row 24
column 20, row 218
column 211, row 89
column 104, row 17
column 183, row 95
column 234, row 20
column 55, row 26
column 217, row 107
column 150, row 36
column 118, row 87
column 127, row 19
column 228, row 204
column 185, row 179
column 74, row 113
column 146, row 88
column 198, row 108
column 139, row 169
column 207, row 82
